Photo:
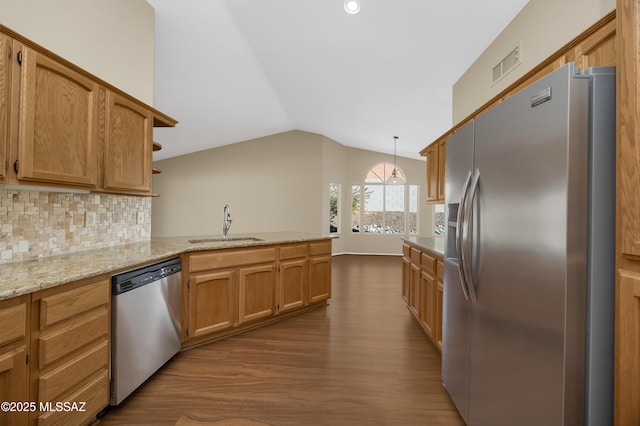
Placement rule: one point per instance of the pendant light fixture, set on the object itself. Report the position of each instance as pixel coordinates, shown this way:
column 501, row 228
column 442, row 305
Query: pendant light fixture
column 394, row 179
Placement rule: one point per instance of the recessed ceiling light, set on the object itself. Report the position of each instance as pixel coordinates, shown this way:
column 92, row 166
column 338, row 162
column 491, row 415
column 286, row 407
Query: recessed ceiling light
column 352, row 6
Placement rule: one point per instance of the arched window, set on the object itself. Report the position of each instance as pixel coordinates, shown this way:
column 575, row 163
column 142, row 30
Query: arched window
column 380, row 173
column 382, row 208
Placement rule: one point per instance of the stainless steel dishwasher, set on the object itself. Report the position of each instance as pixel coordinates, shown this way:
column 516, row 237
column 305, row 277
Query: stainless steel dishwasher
column 145, row 326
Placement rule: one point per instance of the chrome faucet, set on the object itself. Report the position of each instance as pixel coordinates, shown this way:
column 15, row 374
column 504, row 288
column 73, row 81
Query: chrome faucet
column 226, row 221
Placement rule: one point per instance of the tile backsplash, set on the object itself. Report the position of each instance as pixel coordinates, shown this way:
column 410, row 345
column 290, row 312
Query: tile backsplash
column 38, row 224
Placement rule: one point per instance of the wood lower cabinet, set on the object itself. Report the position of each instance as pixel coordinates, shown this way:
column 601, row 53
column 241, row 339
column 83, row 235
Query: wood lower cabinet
column 293, row 279
column 229, row 290
column 211, row 302
column 439, row 298
column 257, row 296
column 406, row 272
column 422, row 275
column 14, row 317
column 319, row 271
column 70, row 330
column 428, row 311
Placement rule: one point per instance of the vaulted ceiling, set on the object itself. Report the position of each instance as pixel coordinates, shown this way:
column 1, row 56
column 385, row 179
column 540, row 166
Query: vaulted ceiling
column 233, row 70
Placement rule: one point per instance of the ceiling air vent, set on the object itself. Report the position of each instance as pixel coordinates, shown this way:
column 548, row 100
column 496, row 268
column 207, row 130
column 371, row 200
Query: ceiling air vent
column 505, row 66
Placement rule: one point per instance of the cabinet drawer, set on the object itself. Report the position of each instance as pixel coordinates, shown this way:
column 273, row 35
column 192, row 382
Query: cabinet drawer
column 14, row 323
column 56, row 344
column 406, row 250
column 94, row 394
column 293, row 251
column 319, row 248
column 73, row 302
column 217, row 259
column 73, row 372
column 429, row 263
column 415, row 256
column 440, row 270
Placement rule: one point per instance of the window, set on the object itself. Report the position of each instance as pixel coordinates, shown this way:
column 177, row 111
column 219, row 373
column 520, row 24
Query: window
column 334, row 207
column 380, row 208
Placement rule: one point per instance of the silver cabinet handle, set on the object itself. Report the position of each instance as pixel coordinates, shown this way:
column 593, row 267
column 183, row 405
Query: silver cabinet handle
column 461, row 208
column 466, row 242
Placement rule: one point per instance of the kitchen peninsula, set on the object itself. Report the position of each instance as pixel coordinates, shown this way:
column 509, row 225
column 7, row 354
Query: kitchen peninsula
column 422, row 283
column 56, row 311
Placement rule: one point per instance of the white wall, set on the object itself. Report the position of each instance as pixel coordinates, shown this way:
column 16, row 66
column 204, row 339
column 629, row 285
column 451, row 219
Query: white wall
column 112, row 39
column 541, row 28
column 275, row 183
column 359, row 162
column 271, row 184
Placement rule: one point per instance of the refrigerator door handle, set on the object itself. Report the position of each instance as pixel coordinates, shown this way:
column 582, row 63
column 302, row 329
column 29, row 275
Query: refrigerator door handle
column 466, row 253
column 461, row 209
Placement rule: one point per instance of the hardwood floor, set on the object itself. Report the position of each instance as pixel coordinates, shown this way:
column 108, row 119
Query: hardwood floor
column 361, row 360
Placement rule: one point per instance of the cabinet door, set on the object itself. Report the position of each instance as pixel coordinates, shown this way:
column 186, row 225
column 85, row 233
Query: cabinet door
column 438, row 323
column 428, row 296
column 257, row 286
column 432, row 174
column 293, row 282
column 14, row 317
column 13, row 384
column 70, row 350
column 599, row 49
column 58, row 122
column 5, row 73
column 442, row 157
column 406, row 278
column 319, row 278
column 414, row 290
column 211, row 302
column 627, row 364
column 128, row 145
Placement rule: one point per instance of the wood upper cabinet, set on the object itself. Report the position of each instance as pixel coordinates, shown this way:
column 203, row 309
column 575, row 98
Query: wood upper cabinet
column 436, row 154
column 599, row 49
column 442, row 160
column 57, row 121
column 5, row 84
column 432, row 173
column 128, row 145
column 14, row 317
column 61, row 126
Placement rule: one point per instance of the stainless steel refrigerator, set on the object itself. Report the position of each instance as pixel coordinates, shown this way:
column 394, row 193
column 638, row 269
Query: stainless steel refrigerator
column 529, row 256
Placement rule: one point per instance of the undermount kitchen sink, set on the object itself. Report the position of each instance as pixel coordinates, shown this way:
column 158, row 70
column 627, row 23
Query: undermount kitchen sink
column 219, row 240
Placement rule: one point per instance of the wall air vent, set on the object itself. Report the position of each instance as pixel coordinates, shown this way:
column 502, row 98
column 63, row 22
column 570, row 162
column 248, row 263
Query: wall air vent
column 506, row 65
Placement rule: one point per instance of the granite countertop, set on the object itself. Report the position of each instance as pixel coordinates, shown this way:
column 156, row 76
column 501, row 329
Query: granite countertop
column 18, row 278
column 433, row 244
